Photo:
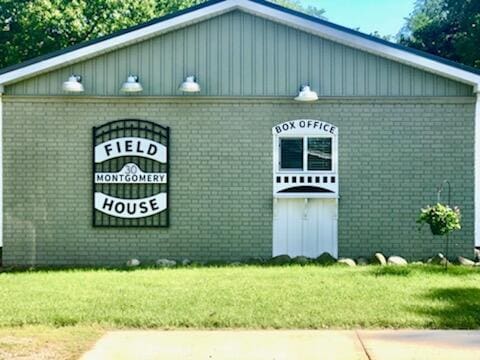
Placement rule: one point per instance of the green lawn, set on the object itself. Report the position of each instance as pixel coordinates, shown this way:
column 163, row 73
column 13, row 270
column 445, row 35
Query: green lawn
column 244, row 297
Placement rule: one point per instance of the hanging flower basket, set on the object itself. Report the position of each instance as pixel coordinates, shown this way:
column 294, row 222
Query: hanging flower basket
column 436, row 229
column 441, row 218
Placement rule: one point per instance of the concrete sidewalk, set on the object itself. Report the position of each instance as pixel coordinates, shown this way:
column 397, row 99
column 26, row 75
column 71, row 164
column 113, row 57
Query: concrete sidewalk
column 287, row 344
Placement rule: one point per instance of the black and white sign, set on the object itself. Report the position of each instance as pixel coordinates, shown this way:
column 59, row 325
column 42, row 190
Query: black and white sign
column 130, row 176
column 302, row 126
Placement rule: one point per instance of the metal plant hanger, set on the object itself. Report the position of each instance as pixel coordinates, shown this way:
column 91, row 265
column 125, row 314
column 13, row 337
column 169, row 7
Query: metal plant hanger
column 439, row 192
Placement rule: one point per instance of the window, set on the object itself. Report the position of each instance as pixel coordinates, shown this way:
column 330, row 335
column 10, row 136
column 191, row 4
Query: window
column 291, row 154
column 320, row 154
column 306, row 154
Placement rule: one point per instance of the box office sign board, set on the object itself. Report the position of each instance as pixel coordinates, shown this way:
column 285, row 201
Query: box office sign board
column 130, row 174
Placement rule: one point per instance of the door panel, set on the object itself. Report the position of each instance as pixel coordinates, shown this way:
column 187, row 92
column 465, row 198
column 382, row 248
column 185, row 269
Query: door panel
column 305, row 227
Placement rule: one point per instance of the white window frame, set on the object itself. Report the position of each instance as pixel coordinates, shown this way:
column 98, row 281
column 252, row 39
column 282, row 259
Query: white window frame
column 284, row 179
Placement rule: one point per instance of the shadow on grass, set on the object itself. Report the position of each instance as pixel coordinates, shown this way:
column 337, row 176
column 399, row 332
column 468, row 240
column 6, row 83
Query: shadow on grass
column 391, row 271
column 404, row 271
column 41, row 269
column 452, row 308
column 375, row 270
column 120, row 268
column 151, row 266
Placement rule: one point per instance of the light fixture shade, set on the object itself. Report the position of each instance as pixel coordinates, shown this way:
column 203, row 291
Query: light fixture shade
column 190, row 85
column 73, row 84
column 132, row 84
column 306, row 94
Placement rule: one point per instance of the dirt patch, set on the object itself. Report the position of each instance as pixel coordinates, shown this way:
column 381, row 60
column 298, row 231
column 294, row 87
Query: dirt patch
column 43, row 343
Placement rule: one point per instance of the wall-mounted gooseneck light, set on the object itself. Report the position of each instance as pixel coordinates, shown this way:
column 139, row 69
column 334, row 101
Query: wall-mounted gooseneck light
column 306, row 94
column 131, row 85
column 73, row 84
column 190, row 85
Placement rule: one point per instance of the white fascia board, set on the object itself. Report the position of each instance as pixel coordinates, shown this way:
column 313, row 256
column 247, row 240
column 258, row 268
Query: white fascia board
column 1, row 169
column 361, row 43
column 261, row 10
column 477, row 171
column 117, row 41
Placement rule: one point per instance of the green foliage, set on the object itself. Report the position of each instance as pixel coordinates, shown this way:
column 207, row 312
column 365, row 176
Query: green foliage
column 448, row 28
column 380, row 36
column 29, row 28
column 35, row 27
column 297, row 5
column 393, row 271
column 441, row 218
column 170, row 6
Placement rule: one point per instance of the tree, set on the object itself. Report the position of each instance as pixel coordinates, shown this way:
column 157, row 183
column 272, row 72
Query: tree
column 29, row 28
column 296, row 5
column 448, row 28
column 380, row 36
column 35, row 27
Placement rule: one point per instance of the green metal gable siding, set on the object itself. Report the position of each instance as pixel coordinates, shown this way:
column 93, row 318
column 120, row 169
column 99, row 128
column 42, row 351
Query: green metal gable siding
column 238, row 54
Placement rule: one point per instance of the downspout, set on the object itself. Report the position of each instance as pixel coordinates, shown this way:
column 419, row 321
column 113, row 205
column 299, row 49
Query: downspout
column 477, row 167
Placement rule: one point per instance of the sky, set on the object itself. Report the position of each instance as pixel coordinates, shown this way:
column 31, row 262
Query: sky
column 385, row 16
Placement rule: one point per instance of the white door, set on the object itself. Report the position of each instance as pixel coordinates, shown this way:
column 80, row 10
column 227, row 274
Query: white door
column 305, row 227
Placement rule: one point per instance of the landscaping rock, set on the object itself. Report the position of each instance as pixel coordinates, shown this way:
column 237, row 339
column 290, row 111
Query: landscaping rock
column 361, row 261
column 235, row 263
column 347, row 262
column 186, row 262
column 217, row 263
column 477, row 263
column 325, row 259
column 465, row 262
column 300, row 260
column 166, row 263
column 438, row 259
column 477, row 255
column 133, row 262
column 254, row 261
column 197, row 263
column 280, row 260
column 397, row 260
column 417, row 263
column 378, row 259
